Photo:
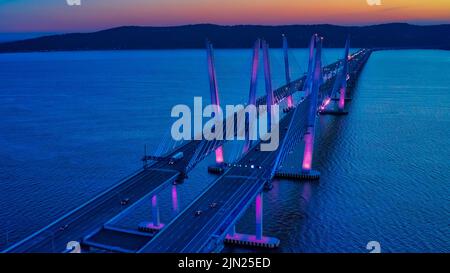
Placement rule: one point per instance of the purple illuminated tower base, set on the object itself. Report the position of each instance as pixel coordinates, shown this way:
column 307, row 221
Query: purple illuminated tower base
column 340, row 88
column 155, row 225
column 303, row 176
column 257, row 240
column 306, row 173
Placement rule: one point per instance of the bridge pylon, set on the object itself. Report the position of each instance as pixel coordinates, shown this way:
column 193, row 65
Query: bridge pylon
column 214, row 92
column 312, row 88
column 312, row 46
column 175, row 203
column 290, row 102
column 220, row 165
column 339, row 92
column 249, row 126
column 270, row 99
column 308, row 138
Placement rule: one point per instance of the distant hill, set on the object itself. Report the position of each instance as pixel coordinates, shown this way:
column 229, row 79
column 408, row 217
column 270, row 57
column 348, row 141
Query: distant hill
column 395, row 35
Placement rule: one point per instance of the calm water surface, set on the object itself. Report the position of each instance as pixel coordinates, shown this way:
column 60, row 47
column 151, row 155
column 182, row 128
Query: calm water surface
column 72, row 124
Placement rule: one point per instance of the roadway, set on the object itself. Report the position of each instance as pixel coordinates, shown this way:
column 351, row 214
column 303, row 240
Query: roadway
column 190, row 233
column 233, row 192
column 94, row 213
column 91, row 216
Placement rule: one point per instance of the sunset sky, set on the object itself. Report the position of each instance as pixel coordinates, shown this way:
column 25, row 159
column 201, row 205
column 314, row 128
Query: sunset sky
column 57, row 16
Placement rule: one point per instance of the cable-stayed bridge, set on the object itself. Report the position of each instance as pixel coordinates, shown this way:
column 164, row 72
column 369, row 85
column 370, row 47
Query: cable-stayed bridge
column 324, row 90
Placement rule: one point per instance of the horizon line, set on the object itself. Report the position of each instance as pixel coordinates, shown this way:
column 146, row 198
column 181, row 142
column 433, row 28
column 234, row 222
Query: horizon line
column 221, row 25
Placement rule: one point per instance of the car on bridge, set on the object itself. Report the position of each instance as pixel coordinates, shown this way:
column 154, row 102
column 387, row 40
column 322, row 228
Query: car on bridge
column 124, row 201
column 198, row 213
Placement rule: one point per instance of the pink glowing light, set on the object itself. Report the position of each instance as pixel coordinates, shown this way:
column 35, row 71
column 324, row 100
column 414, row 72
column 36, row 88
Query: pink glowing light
column 247, row 237
column 219, row 155
column 342, row 98
column 307, row 155
column 174, row 198
column 259, row 219
column 290, row 102
column 258, row 209
column 155, row 213
column 325, row 104
column 154, row 201
column 155, row 226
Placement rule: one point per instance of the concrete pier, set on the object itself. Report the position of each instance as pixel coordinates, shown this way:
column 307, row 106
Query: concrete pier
column 257, row 240
column 301, row 176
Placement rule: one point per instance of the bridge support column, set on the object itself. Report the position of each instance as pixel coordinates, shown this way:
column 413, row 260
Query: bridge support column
column 312, row 88
column 341, row 104
column 249, row 125
column 340, row 88
column 307, row 172
column 308, row 84
column 155, row 225
column 214, row 92
column 290, row 102
column 220, row 165
column 175, row 206
column 259, row 216
column 232, row 230
column 270, row 100
column 257, row 240
column 309, row 150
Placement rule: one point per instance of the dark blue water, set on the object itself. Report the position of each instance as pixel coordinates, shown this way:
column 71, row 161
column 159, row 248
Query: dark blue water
column 72, row 124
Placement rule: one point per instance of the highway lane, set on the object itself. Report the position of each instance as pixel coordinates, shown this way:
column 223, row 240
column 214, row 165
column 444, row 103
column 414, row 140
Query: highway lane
column 104, row 206
column 54, row 239
column 197, row 243
column 94, row 213
column 97, row 211
column 188, row 232
column 187, row 225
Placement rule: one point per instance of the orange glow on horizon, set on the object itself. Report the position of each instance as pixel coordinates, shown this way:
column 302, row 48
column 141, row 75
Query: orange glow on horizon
column 109, row 13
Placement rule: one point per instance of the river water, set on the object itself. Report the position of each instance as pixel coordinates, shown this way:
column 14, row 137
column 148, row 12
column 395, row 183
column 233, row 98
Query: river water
column 74, row 123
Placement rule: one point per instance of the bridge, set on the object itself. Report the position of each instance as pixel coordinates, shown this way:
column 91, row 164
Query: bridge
column 324, row 90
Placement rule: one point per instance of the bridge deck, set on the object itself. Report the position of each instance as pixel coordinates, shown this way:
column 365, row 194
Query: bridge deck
column 117, row 240
column 94, row 213
column 233, row 191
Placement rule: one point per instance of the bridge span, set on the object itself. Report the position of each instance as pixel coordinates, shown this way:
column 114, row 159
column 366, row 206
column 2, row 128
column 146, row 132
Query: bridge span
column 231, row 193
